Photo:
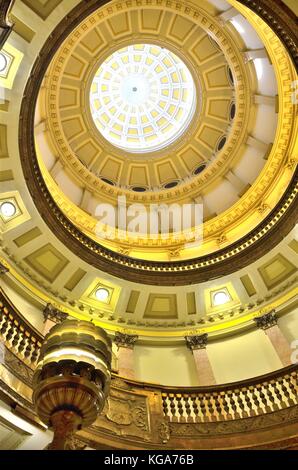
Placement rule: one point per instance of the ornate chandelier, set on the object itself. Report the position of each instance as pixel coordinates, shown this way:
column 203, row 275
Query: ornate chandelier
column 72, row 378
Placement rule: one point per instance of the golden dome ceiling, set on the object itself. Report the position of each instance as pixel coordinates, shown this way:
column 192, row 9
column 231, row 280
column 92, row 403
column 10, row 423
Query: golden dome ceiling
column 219, row 161
column 236, row 154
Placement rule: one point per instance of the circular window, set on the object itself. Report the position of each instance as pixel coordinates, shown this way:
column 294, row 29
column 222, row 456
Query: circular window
column 171, row 184
column 221, row 143
column 142, row 98
column 231, row 76
column 232, row 111
column 3, row 62
column 220, row 298
column 8, row 209
column 199, row 169
column 107, row 181
column 139, row 189
column 102, row 294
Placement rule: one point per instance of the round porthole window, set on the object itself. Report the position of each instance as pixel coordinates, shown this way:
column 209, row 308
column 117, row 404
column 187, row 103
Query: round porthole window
column 3, row 62
column 102, row 294
column 8, row 209
column 220, row 298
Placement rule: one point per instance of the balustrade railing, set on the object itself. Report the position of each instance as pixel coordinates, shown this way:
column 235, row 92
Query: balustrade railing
column 17, row 334
column 249, row 398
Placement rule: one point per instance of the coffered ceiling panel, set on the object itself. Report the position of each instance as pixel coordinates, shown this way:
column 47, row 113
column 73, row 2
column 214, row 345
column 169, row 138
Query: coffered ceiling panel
column 42, row 8
column 47, row 261
column 161, row 306
column 276, row 270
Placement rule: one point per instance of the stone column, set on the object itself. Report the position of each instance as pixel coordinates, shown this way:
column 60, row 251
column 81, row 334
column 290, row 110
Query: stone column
column 254, row 54
column 125, row 344
column 198, row 345
column 52, row 316
column 228, row 15
column 268, row 323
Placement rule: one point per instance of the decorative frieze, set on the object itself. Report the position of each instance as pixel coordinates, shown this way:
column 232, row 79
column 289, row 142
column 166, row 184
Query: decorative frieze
column 125, row 340
column 3, row 269
column 197, row 341
column 267, row 320
column 54, row 314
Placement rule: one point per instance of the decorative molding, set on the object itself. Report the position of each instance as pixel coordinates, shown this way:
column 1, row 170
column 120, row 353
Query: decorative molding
column 18, row 367
column 197, row 341
column 5, row 25
column 281, row 19
column 285, row 444
column 52, row 313
column 263, row 208
column 125, row 340
column 3, row 269
column 14, row 397
column 118, row 382
column 164, row 431
column 267, row 320
column 197, row 430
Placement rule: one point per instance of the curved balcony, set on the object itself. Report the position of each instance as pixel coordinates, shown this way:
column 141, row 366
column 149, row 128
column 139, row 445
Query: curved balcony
column 253, row 413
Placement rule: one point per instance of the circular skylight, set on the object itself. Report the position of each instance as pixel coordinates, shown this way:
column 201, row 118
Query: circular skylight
column 8, row 209
column 3, row 62
column 102, row 294
column 142, row 98
column 220, row 298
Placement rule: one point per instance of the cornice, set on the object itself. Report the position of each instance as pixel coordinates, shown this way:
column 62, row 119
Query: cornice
column 281, row 19
column 5, row 25
column 266, row 321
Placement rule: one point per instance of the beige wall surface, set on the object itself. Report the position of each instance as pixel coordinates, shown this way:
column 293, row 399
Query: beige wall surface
column 235, row 358
column 289, row 325
column 165, row 365
column 31, row 312
column 244, row 356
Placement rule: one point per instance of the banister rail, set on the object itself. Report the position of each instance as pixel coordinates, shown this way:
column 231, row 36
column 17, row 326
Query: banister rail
column 17, row 333
column 246, row 398
column 158, row 414
column 236, row 401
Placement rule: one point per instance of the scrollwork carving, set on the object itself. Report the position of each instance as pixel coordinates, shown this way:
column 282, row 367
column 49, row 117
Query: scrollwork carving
column 197, row 341
column 54, row 314
column 267, row 320
column 192, row 430
column 125, row 340
column 164, row 431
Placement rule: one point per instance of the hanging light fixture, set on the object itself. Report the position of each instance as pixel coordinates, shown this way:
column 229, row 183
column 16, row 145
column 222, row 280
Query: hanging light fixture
column 72, row 378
